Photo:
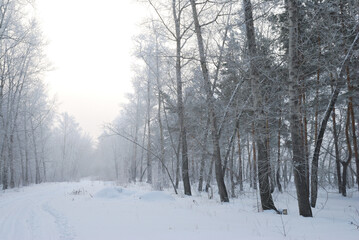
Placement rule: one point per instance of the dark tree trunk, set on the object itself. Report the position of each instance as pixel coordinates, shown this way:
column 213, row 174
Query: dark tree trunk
column 350, row 154
column 261, row 136
column 240, row 167
column 354, row 136
column 231, row 173
column 249, row 164
column 5, row 167
column 263, row 177
column 318, row 144
column 210, row 101
column 178, row 163
column 11, row 161
column 209, row 176
column 27, row 158
column 295, row 120
column 278, row 157
column 337, row 152
column 21, row 158
column 180, row 107
column 254, row 166
column 37, row 165
column 203, row 158
column 305, row 137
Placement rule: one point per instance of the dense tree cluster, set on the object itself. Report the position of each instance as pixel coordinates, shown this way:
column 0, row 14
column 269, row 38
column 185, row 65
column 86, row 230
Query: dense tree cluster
column 242, row 94
column 36, row 143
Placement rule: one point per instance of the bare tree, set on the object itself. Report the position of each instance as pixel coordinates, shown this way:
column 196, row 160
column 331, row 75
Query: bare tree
column 295, row 120
column 210, row 101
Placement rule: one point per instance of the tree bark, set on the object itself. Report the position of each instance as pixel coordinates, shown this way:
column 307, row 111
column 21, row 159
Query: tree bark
column 337, row 152
column 37, row 166
column 278, row 156
column 203, row 157
column 318, row 144
column 11, row 160
column 350, row 154
column 134, row 153
column 259, row 115
column 5, row 170
column 295, row 120
column 209, row 176
column 354, row 136
column 149, row 160
column 231, row 173
column 249, row 164
column 160, row 180
column 210, row 101
column 180, row 107
column 254, row 162
column 240, row 167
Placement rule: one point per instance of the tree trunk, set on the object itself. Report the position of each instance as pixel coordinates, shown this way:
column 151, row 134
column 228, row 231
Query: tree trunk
column 160, row 180
column 149, row 160
column 305, row 136
column 37, row 166
column 225, row 163
column 337, row 152
column 350, row 153
column 27, row 160
column 249, row 164
column 21, row 153
column 142, row 172
column 295, row 120
column 231, row 173
column 180, row 107
column 285, row 174
column 209, row 176
column 254, row 166
column 210, row 101
column 336, row 147
column 278, row 156
column 261, row 136
column 43, row 155
column 240, row 167
column 134, row 153
column 270, row 170
column 178, row 168
column 354, row 136
column 11, row 160
column 203, row 157
column 318, row 144
column 5, row 170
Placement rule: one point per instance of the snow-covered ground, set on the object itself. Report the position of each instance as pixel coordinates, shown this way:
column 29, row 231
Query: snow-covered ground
column 101, row 210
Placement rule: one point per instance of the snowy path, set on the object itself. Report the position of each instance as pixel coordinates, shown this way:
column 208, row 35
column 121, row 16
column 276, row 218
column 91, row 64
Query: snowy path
column 26, row 214
column 97, row 210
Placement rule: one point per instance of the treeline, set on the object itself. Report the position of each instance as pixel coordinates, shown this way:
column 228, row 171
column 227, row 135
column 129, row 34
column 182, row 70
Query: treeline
column 242, row 93
column 36, row 143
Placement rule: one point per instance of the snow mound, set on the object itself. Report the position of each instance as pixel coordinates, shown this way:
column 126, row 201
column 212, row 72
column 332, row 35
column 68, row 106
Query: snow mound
column 156, row 196
column 113, row 193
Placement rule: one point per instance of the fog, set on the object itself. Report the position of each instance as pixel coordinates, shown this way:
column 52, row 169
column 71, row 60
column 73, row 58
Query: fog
column 89, row 47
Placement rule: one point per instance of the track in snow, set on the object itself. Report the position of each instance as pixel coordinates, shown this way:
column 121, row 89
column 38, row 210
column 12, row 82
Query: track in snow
column 101, row 210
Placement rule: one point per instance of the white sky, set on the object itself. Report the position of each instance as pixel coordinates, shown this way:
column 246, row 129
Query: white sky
column 90, row 49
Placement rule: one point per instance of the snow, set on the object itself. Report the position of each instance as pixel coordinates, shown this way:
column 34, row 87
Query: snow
column 113, row 192
column 156, row 196
column 102, row 210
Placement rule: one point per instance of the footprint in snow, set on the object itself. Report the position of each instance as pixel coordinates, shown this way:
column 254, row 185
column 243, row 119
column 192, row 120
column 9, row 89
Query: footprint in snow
column 65, row 230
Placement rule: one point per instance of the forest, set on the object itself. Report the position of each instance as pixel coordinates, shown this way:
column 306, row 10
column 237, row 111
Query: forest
column 228, row 97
